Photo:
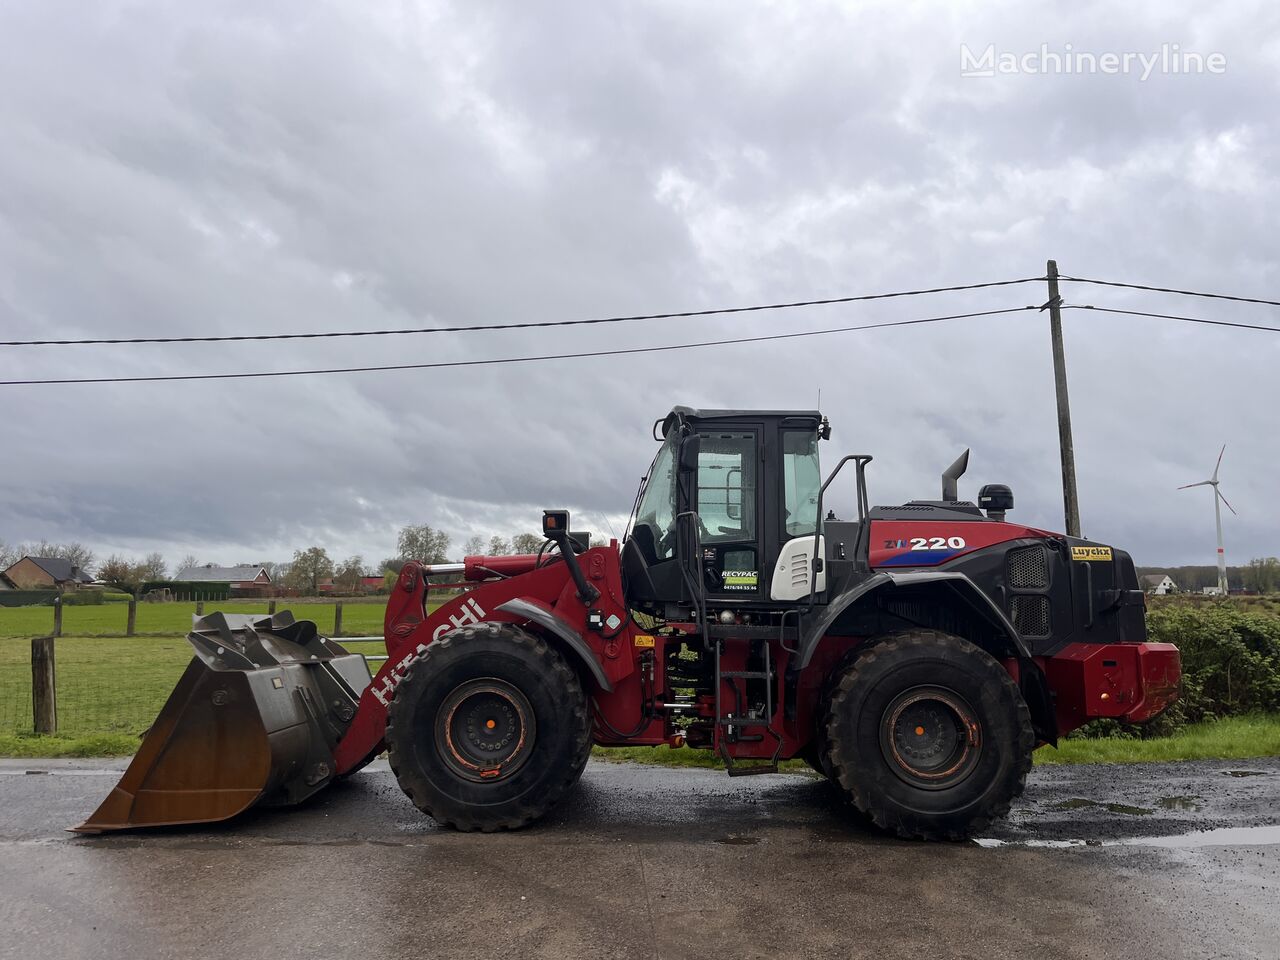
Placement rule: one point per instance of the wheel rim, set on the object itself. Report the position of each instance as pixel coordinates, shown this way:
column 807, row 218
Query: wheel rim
column 485, row 730
column 930, row 737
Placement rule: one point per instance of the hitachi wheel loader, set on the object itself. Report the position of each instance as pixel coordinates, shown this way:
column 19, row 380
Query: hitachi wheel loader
column 915, row 655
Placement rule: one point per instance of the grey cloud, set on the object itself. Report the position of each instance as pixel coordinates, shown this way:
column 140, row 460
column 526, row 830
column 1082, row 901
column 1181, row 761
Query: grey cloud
column 230, row 168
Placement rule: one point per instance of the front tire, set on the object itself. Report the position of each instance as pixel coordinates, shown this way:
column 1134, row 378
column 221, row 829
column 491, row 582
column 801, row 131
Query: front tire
column 929, row 736
column 488, row 728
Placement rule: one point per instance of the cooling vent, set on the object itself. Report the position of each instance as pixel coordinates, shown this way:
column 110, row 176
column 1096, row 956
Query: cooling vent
column 1028, row 568
column 799, row 571
column 1030, row 615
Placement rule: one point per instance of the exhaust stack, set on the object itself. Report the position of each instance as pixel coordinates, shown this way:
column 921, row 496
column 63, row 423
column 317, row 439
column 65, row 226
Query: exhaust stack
column 951, row 477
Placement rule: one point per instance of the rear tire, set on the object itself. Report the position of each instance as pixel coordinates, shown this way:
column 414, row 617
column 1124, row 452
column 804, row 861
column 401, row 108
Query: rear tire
column 929, row 736
column 488, row 728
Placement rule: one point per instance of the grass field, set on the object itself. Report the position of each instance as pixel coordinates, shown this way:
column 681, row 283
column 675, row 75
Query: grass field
column 359, row 617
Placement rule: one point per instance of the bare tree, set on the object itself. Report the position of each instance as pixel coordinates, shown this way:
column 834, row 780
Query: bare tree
column 122, row 573
column 526, row 542
column 152, row 567
column 474, row 547
column 1262, row 574
column 499, row 547
column 79, row 555
column 424, row 544
column 186, row 562
column 349, row 575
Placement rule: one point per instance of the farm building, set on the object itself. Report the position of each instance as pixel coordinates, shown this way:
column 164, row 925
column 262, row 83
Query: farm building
column 35, row 573
column 239, row 577
column 1158, row 584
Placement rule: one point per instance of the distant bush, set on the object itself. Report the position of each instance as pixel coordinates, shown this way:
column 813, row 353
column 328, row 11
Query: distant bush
column 1230, row 658
column 83, row 598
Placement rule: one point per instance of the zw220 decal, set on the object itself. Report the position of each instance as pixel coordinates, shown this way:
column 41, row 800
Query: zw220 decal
column 927, row 543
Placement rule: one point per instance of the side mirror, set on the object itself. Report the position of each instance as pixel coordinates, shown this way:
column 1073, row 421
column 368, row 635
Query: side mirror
column 690, row 447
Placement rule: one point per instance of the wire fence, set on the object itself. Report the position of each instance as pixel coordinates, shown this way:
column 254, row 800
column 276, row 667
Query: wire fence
column 110, row 685
column 103, row 687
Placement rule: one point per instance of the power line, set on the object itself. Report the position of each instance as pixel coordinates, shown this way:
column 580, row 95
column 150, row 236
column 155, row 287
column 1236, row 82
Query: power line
column 513, row 326
column 1170, row 316
column 501, row 360
column 1184, row 293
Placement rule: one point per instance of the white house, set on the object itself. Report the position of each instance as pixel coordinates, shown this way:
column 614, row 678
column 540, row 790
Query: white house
column 1158, row 584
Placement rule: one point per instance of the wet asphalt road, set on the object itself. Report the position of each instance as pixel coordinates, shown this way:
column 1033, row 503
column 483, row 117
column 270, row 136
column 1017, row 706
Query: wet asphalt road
column 1094, row 862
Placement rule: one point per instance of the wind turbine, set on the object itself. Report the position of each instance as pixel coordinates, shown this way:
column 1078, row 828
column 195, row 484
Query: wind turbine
column 1217, row 516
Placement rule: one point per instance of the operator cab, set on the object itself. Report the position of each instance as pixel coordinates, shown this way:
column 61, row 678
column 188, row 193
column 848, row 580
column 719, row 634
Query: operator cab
column 730, row 495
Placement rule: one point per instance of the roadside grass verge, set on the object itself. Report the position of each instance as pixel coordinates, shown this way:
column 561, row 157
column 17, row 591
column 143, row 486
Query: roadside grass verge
column 1231, row 738
column 28, row 746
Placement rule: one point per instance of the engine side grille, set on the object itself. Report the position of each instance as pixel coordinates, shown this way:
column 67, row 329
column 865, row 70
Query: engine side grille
column 1030, row 614
column 1028, row 568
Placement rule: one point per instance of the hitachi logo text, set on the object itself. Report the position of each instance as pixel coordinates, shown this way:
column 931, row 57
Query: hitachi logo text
column 470, row 613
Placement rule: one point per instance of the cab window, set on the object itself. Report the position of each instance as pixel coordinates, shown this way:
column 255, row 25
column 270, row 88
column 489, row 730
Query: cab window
column 727, row 487
column 801, row 481
column 656, row 510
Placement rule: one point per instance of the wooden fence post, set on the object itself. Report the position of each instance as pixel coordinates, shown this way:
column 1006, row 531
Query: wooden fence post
column 131, row 626
column 199, row 608
column 44, row 697
column 271, row 608
column 57, row 615
column 337, row 618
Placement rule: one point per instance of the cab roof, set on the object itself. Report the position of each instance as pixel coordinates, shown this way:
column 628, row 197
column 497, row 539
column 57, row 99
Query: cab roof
column 693, row 413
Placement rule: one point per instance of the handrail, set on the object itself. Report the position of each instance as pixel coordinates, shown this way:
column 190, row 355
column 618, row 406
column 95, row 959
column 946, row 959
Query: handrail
column 861, row 459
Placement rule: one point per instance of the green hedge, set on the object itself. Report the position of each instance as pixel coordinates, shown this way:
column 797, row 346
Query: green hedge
column 1230, row 666
column 27, row 598
column 94, row 598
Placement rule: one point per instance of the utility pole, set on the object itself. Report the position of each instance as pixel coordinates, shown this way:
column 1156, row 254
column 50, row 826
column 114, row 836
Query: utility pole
column 1071, row 504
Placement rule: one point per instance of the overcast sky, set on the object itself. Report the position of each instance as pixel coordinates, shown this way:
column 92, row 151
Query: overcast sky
column 223, row 168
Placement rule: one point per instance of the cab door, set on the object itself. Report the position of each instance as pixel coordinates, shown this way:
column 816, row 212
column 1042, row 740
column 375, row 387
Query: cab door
column 730, row 511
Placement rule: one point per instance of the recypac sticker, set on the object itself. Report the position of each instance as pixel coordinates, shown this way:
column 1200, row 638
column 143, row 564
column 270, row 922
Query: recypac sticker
column 740, row 579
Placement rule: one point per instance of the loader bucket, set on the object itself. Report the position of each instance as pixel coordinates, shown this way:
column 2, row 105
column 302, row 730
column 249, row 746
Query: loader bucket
column 253, row 720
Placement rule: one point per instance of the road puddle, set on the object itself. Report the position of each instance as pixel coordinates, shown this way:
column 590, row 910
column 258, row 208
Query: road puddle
column 735, row 841
column 1080, row 803
column 1180, row 803
column 1224, row 837
column 1245, row 773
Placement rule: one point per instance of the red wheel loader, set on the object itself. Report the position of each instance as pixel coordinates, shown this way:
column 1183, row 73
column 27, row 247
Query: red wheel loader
column 915, row 655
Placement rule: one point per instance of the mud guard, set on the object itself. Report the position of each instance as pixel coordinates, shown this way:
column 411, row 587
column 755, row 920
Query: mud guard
column 544, row 616
column 1031, row 678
